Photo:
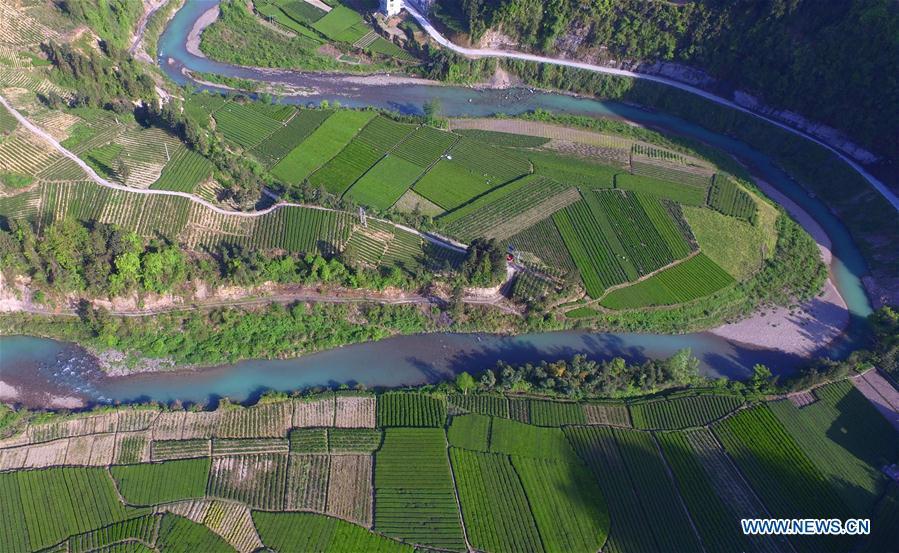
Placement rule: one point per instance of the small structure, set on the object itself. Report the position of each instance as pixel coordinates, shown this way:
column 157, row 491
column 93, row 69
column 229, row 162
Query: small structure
column 892, row 471
column 391, row 7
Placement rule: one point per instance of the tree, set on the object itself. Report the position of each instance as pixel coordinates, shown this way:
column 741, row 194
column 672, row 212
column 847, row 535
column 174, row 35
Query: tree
column 432, row 109
column 761, row 380
column 465, row 382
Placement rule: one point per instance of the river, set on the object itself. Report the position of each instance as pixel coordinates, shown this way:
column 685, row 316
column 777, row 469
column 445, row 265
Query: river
column 38, row 368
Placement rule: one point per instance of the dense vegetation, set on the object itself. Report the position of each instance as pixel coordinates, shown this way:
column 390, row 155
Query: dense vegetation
column 794, row 54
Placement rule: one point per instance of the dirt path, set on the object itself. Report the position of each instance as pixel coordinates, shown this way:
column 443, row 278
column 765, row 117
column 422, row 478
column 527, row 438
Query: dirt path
column 511, row 54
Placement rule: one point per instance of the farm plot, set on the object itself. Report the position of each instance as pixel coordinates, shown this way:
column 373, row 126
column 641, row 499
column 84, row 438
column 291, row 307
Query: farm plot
column 141, row 529
column 505, row 139
column 257, row 480
column 542, row 246
column 25, row 154
column 424, row 146
column 470, row 432
column 311, row 230
column 300, row 532
column 630, row 528
column 450, row 184
column 350, row 488
column 234, row 524
column 516, row 438
column 367, row 245
column 681, row 193
column 519, row 410
column 845, row 438
column 77, row 425
column 494, row 505
column 269, row 420
column 497, row 406
column 307, row 482
column 693, row 278
column 556, row 413
column 407, row 251
column 728, row 198
column 509, row 209
column 566, row 502
column 668, row 221
column 353, row 440
column 283, row 140
column 53, row 504
column 729, row 485
column 385, row 183
column 184, row 172
column 321, row 145
column 309, row 440
column 180, row 535
column 244, row 125
column 164, row 450
column 317, row 411
column 248, row 446
column 498, row 164
column 342, row 24
column 675, row 413
column 405, row 409
column 675, row 170
column 788, row 483
column 606, row 413
column 416, row 505
column 594, row 247
column 132, row 448
column 355, row 411
column 376, row 139
column 714, row 519
column 657, row 493
column 152, row 483
column 410, row 202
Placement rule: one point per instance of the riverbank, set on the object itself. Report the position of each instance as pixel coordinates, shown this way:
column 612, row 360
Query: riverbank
column 193, row 38
column 804, row 329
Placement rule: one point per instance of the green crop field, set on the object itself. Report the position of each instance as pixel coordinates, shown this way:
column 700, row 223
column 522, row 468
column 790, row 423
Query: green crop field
column 573, row 171
column 544, row 241
column 181, row 535
column 728, row 198
column 384, row 183
column 713, row 517
column 425, row 146
column 497, row 164
column 470, row 432
column 46, row 506
column 149, row 484
column 494, row 504
column 555, row 413
column 483, row 404
column 786, row 480
column 321, row 145
column 694, row 278
column 244, row 125
column 364, row 151
column 282, row 141
column 680, row 481
column 553, row 488
column 685, row 194
column 509, row 209
column 450, row 185
column 400, row 409
column 184, row 172
column 416, row 506
column 503, row 138
column 300, row 532
column 852, row 440
column 675, row 413
column 337, row 23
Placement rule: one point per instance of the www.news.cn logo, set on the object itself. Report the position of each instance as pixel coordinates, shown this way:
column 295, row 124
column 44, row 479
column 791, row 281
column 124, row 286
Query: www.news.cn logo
column 806, row 526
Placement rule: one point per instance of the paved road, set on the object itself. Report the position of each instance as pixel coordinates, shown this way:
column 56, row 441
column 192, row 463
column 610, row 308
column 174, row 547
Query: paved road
column 888, row 194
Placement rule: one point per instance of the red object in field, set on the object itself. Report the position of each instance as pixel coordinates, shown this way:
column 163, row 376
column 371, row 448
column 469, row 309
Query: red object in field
column 509, row 258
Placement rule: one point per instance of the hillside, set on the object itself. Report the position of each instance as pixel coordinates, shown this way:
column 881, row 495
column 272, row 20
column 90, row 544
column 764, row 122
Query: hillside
column 833, row 62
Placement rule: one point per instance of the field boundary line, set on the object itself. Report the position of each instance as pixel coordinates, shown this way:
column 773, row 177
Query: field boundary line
column 456, row 490
column 647, row 276
column 680, row 498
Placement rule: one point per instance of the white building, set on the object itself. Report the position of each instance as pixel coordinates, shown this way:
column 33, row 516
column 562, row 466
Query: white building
column 391, row 7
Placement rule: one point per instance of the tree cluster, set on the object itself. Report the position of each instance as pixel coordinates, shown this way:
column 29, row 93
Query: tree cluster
column 580, row 376
column 484, row 264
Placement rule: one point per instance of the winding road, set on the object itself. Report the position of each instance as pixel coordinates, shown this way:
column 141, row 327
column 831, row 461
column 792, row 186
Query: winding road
column 47, row 137
column 881, row 188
